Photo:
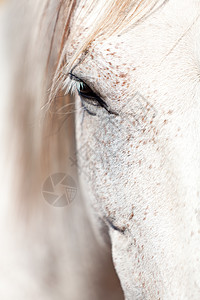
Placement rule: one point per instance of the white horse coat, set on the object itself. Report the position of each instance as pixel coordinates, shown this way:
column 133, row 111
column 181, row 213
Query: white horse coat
column 140, row 168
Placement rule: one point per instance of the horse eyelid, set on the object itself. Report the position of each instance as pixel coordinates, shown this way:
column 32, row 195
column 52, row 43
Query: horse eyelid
column 98, row 98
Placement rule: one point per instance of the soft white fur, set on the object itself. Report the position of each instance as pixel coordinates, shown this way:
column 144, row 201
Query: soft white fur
column 150, row 186
column 155, row 174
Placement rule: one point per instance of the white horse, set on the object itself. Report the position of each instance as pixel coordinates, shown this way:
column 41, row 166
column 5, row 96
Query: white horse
column 133, row 70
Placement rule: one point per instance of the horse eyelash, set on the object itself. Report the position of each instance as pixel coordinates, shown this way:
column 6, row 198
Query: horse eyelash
column 79, row 84
column 71, row 84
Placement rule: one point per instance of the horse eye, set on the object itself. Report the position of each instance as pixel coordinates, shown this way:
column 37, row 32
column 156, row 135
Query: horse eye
column 87, row 94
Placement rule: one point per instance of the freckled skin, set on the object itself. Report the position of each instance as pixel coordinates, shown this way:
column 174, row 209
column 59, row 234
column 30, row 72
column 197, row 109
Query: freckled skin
column 145, row 176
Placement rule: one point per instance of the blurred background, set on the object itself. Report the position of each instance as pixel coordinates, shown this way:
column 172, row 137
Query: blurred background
column 47, row 251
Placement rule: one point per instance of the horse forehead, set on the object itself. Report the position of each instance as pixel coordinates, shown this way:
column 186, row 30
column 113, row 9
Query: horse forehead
column 157, row 52
column 148, row 49
column 159, row 33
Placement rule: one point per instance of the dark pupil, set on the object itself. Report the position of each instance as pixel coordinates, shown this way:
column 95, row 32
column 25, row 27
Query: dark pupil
column 85, row 91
